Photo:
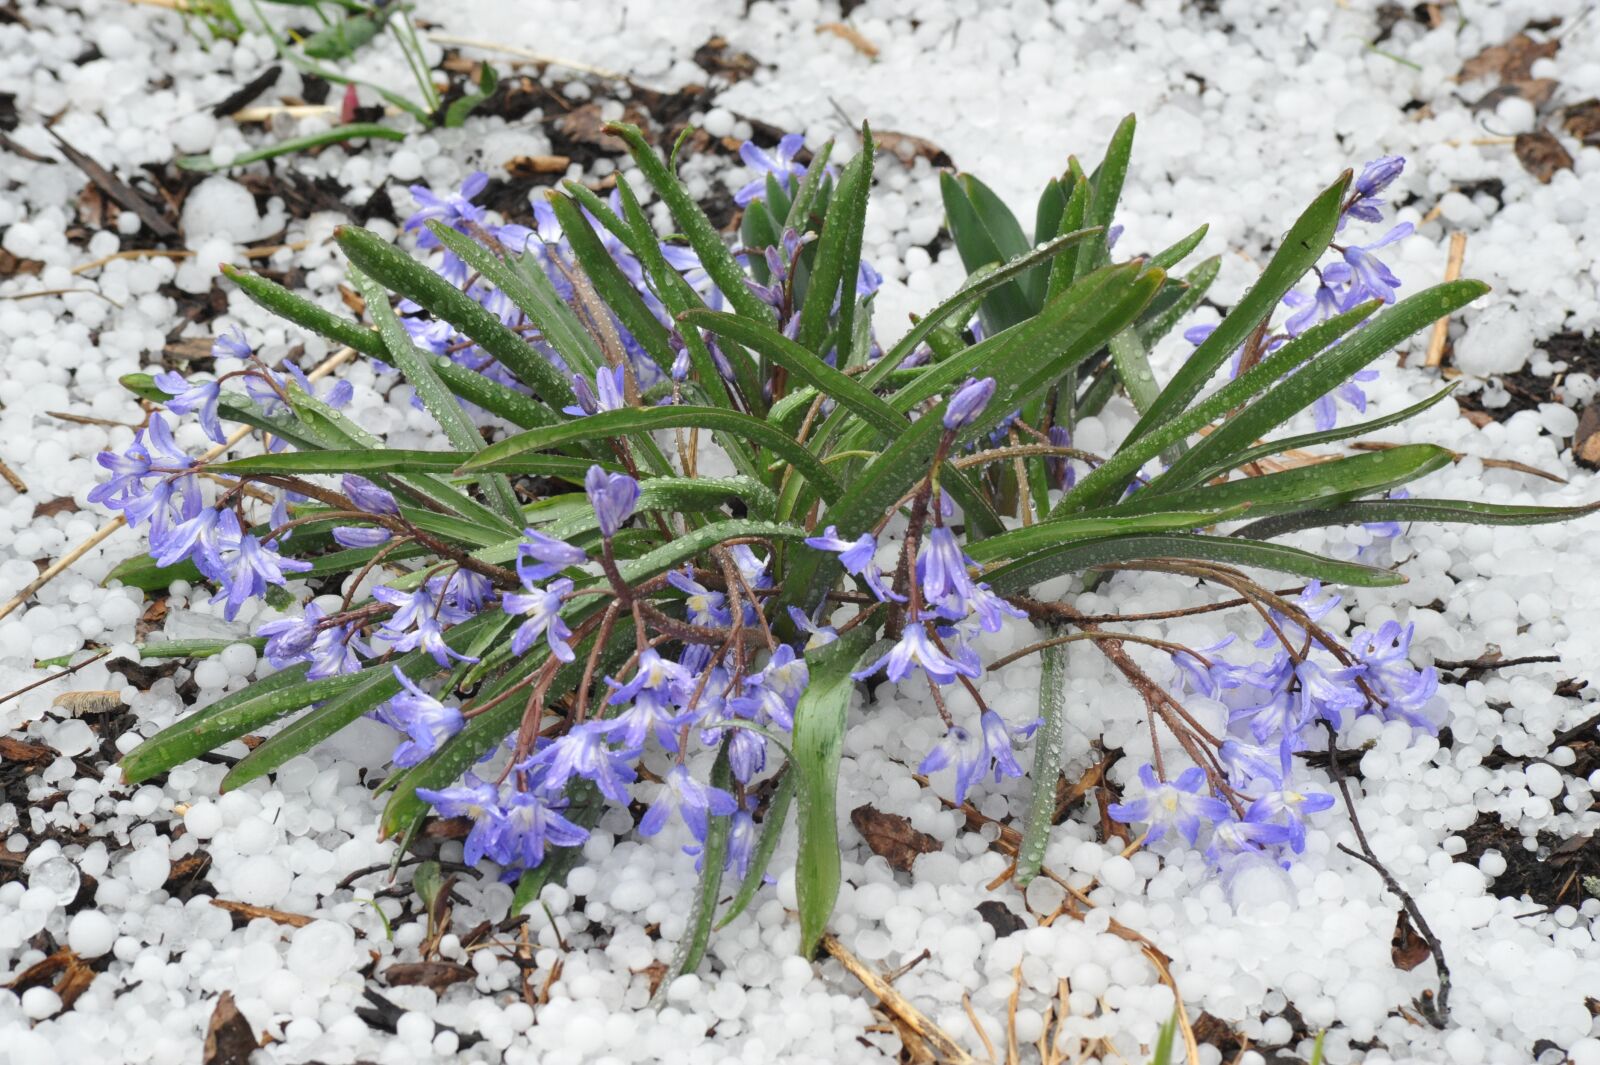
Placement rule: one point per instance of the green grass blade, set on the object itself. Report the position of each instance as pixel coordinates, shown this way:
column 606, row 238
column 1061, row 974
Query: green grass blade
column 838, row 254
column 1456, row 511
column 771, row 832
column 1046, row 771
column 337, row 135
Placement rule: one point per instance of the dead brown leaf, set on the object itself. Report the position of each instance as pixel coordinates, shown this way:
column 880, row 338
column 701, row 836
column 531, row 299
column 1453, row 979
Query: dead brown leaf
column 68, row 975
column 586, row 126
column 527, row 166
column 1586, row 439
column 250, row 913
column 854, row 36
column 657, row 972
column 1511, row 61
column 11, row 266
column 229, row 1037
column 719, row 58
column 908, row 149
column 437, row 976
column 52, row 507
column 891, row 837
column 1581, row 120
column 1407, row 947
column 353, row 300
column 1542, row 155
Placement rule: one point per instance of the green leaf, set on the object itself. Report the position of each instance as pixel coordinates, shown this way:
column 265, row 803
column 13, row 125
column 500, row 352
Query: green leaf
column 1046, row 771
column 686, row 959
column 234, row 406
column 1023, row 573
column 1161, row 319
column 819, row 721
column 343, row 38
column 1460, row 511
column 393, row 268
column 196, row 648
column 703, row 237
column 838, row 253
column 419, row 372
column 1064, row 270
column 1170, row 257
column 1321, row 375
column 771, row 832
column 978, row 245
column 337, row 135
column 506, row 455
column 488, row 81
column 1302, row 246
column 1133, row 368
column 798, row 216
column 532, row 292
column 1107, row 481
column 474, row 387
column 1107, row 187
column 1031, row 539
column 1317, row 485
column 1339, row 432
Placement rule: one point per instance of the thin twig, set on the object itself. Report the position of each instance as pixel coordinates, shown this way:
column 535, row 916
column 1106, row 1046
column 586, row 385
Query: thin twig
column 912, row 1022
column 1436, row 1008
column 1452, row 271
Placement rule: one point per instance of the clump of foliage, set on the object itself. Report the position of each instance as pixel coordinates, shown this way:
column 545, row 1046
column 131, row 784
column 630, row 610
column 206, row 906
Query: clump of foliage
column 691, row 502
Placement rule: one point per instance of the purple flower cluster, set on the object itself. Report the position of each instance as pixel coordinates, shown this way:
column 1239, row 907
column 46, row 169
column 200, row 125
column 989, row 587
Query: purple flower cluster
column 1276, row 710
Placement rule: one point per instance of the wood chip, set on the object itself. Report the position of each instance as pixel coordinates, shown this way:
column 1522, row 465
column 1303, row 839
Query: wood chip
column 250, row 913
column 53, row 507
column 849, row 33
column 77, row 704
column 585, row 125
column 1542, row 155
column 68, row 975
column 892, row 838
column 229, row 1038
column 1586, row 439
column 720, row 59
column 437, row 976
column 528, row 166
column 15, row 750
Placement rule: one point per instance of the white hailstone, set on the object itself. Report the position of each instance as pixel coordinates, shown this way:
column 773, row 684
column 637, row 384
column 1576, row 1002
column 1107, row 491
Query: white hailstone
column 203, row 820
column 239, row 659
column 414, row 1029
column 1498, row 340
column 262, row 880
column 221, row 207
column 73, row 737
column 59, row 877
column 1544, row 780
column 149, row 868
column 39, row 1003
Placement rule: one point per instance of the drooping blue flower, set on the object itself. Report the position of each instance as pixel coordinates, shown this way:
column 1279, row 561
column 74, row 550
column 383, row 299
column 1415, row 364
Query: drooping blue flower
column 368, row 496
column 968, row 402
column 613, row 496
column 1058, row 468
column 964, row 750
column 246, row 566
column 200, row 397
column 916, row 648
column 585, row 751
column 703, row 605
column 1406, row 691
column 1326, row 694
column 1179, row 805
column 780, row 163
column 652, row 712
column 474, row 798
column 231, row 345
column 289, row 640
column 172, row 499
column 360, row 535
column 752, row 567
column 335, row 652
column 529, row 824
column 771, row 694
column 1286, row 807
column 856, row 556
column 1232, row 838
column 540, row 557
column 454, row 209
column 1325, row 411
column 816, row 635
column 419, row 620
column 426, row 721
column 997, row 741
column 1331, row 297
column 695, row 802
column 1374, row 178
column 655, row 673
column 542, row 607
column 1370, row 277
column 608, row 392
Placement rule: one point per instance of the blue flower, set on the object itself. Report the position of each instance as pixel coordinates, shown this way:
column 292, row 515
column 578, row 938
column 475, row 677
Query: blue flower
column 334, row 652
column 1370, row 278
column 1325, row 695
column 1059, row 467
column 613, row 496
column 455, row 209
column 368, row 496
column 425, row 720
column 419, row 620
column 968, row 402
column 653, row 672
column 290, row 640
column 359, row 536
column 856, row 556
column 779, row 162
column 1179, row 805
column 1375, row 177
column 585, row 751
column 1233, row 838
column 916, row 648
column 540, row 557
column 608, row 392
column 651, row 713
column 186, row 398
column 1406, row 691
column 231, row 344
column 704, row 606
column 528, row 824
column 816, row 635
column 245, row 566
column 474, row 798
column 695, row 802
column 543, row 610
column 962, row 749
column 1292, row 807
